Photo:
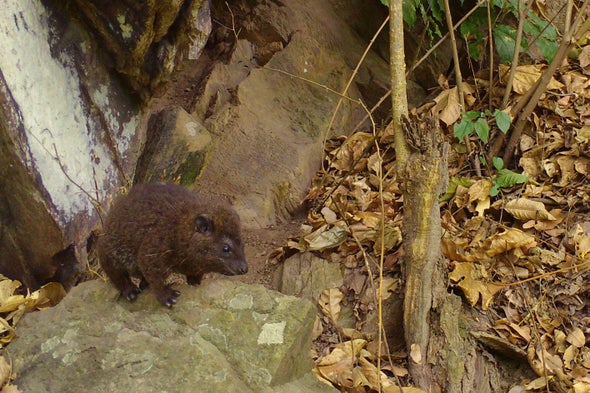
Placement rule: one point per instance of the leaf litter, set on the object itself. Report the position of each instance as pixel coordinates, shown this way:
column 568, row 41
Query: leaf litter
column 522, row 256
column 13, row 306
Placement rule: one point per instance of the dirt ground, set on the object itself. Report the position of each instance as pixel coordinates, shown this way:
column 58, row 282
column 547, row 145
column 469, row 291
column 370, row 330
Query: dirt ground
column 259, row 244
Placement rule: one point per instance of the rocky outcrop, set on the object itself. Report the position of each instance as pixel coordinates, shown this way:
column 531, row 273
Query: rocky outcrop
column 75, row 88
column 147, row 40
column 71, row 128
column 269, row 106
column 68, row 138
column 175, row 150
column 222, row 336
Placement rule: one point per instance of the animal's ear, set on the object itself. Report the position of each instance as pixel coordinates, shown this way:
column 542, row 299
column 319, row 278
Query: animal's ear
column 203, row 224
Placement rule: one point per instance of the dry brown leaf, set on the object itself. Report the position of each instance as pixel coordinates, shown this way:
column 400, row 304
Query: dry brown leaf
column 347, row 349
column 392, row 237
column 576, row 338
column 547, row 225
column 510, row 239
column 374, row 378
column 566, row 165
column 10, row 389
column 583, row 134
column 530, row 165
column 47, row 296
column 324, row 237
column 467, row 277
column 526, row 209
column 12, row 303
column 559, row 340
column 582, row 387
column 5, row 371
column 7, row 332
column 584, row 58
column 569, row 357
column 374, row 163
column 350, row 152
column 7, row 288
column 389, row 286
column 581, row 241
column 329, row 303
column 551, row 362
column 339, row 372
column 416, row 353
column 329, row 216
column 582, row 166
column 479, row 192
column 448, row 108
column 539, row 383
column 455, row 250
column 576, row 83
column 526, row 76
column 541, row 256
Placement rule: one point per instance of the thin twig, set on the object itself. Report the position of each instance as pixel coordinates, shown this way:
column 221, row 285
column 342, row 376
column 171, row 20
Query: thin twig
column 577, row 29
column 459, row 80
column 354, row 73
column 313, row 83
column 420, row 61
column 522, row 12
column 491, row 54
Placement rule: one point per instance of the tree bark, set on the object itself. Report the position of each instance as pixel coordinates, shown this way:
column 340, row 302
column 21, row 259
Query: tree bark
column 423, row 179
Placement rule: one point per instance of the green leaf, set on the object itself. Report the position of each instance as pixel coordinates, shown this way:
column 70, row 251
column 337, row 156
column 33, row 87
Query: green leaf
column 498, row 163
column 495, row 190
column 502, row 120
column 507, row 178
column 482, row 129
column 504, row 39
column 409, row 11
column 437, row 8
column 386, row 2
column 452, row 188
column 472, row 115
column 462, row 129
column 474, row 31
column 548, row 48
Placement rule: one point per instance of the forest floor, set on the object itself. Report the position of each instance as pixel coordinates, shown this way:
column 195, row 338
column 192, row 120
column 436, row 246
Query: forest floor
column 517, row 236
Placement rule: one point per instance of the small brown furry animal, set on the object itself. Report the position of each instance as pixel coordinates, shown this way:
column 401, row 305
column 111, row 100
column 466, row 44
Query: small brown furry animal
column 158, row 229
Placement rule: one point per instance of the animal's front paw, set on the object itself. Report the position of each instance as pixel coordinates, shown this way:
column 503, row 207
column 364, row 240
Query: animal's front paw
column 130, row 293
column 167, row 296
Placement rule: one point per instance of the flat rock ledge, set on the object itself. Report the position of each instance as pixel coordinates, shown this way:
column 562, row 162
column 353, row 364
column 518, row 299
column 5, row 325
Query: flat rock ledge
column 222, row 336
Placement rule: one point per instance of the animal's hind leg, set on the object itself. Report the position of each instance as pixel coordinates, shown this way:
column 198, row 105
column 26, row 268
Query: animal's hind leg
column 120, row 278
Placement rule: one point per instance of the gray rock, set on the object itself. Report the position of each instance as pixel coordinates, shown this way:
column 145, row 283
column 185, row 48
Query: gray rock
column 272, row 125
column 307, row 275
column 222, row 336
column 141, row 39
column 175, row 149
column 68, row 138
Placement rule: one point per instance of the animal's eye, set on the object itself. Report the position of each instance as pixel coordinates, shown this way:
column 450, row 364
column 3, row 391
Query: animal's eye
column 225, row 248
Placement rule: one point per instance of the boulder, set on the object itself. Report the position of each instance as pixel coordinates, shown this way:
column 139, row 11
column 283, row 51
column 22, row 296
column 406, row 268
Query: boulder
column 68, row 137
column 270, row 105
column 307, row 275
column 222, row 336
column 175, row 149
column 74, row 116
column 147, row 40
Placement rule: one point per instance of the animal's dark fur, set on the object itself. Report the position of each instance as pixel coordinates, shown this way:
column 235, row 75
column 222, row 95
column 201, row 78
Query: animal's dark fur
column 158, row 229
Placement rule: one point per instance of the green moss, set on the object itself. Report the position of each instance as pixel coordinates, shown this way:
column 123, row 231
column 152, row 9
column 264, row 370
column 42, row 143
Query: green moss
column 191, row 168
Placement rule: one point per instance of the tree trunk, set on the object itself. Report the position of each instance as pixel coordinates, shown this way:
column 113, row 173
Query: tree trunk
column 443, row 356
column 423, row 177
